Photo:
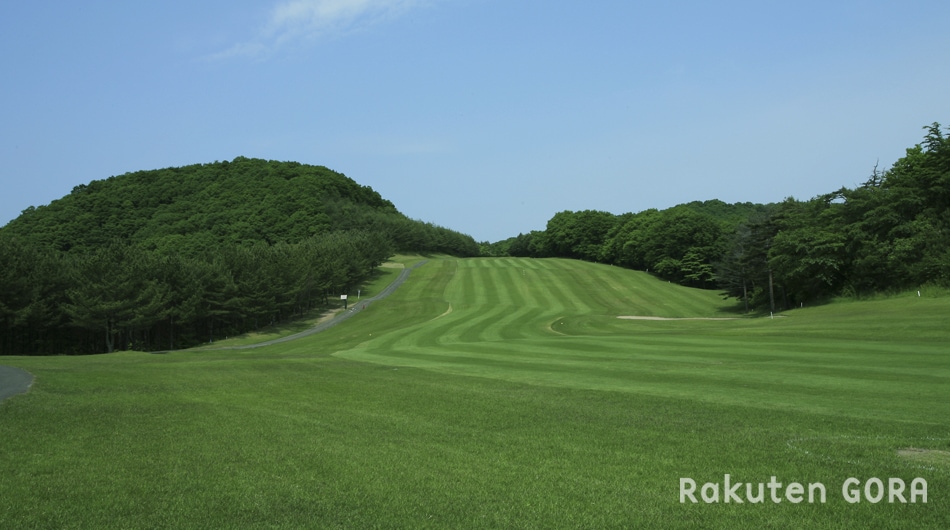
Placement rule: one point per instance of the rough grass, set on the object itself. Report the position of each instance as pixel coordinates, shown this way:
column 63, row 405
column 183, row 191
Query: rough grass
column 527, row 405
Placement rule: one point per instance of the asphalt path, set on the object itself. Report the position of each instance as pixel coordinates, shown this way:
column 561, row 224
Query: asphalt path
column 356, row 308
column 14, row 381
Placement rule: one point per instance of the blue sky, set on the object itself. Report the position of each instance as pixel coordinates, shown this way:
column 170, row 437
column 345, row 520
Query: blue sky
column 484, row 116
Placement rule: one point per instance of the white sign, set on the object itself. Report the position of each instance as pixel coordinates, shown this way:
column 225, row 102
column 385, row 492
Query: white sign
column 342, row 297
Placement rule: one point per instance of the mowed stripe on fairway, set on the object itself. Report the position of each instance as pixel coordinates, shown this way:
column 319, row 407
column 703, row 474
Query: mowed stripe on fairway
column 510, row 305
column 554, row 322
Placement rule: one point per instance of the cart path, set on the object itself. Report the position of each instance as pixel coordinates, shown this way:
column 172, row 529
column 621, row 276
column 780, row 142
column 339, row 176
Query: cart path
column 14, row 381
column 343, row 316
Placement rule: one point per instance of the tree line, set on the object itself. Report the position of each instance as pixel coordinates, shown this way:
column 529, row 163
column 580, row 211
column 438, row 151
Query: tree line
column 121, row 297
column 891, row 233
column 679, row 244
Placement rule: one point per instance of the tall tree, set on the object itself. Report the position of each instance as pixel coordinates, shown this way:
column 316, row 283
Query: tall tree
column 110, row 293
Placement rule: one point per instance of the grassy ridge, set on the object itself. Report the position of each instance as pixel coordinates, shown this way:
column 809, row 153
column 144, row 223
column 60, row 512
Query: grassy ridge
column 501, row 393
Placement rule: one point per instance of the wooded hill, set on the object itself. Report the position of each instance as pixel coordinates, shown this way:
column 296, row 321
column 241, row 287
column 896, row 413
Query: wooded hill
column 188, row 210
column 173, row 257
column 891, row 233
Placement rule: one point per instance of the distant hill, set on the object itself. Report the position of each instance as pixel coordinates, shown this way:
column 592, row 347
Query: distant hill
column 193, row 208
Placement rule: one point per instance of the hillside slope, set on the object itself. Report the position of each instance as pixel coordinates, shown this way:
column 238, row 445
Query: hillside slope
column 192, row 208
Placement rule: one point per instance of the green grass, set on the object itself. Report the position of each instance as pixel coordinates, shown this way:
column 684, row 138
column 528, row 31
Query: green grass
column 496, row 393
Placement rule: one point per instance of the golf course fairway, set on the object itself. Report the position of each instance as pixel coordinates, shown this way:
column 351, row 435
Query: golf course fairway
column 505, row 393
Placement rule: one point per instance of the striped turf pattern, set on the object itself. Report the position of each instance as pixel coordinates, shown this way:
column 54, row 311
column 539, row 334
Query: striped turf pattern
column 554, row 322
column 530, row 320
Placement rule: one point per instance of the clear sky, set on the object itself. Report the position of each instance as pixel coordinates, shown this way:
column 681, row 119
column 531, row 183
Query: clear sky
column 484, row 116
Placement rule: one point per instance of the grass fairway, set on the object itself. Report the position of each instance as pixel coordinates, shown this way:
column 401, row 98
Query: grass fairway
column 498, row 393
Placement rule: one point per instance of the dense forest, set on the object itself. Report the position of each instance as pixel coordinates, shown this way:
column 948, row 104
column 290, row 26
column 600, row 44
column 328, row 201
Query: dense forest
column 174, row 257
column 191, row 209
column 891, row 233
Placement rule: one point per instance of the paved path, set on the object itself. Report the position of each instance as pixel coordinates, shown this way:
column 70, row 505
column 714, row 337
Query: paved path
column 14, row 381
column 343, row 316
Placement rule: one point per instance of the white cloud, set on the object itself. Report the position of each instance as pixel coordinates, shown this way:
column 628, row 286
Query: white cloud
column 293, row 21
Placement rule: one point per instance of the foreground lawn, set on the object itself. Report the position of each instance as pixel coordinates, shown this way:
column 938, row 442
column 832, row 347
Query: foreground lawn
column 497, row 393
